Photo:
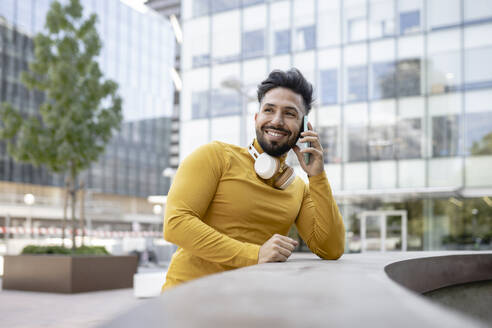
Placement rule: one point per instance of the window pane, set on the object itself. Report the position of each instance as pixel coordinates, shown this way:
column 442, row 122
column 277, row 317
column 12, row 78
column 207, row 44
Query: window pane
column 355, row 20
column 253, row 44
column 408, row 77
column 226, row 37
column 445, row 135
column 443, row 13
column 222, row 5
column 329, row 86
column 282, row 42
column 306, row 37
column 199, row 104
column 478, row 10
column 409, row 134
column 200, row 7
column 383, row 80
column 381, row 142
column 410, row 16
column 328, row 136
column 280, row 27
column 444, row 69
column 328, row 23
column 382, row 18
column 478, row 51
column 357, row 143
column 478, row 134
column 357, row 83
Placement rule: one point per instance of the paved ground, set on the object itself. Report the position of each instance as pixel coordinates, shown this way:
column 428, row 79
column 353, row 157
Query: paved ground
column 33, row 309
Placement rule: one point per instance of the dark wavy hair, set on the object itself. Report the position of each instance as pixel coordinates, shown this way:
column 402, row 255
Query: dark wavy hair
column 291, row 79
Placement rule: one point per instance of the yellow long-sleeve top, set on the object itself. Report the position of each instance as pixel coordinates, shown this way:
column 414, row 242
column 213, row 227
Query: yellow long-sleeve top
column 219, row 213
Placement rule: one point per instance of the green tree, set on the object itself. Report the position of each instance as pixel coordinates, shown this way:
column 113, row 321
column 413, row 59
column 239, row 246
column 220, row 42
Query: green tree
column 82, row 110
column 482, row 147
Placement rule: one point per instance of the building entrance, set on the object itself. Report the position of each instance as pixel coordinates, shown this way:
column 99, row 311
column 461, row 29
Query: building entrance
column 383, row 230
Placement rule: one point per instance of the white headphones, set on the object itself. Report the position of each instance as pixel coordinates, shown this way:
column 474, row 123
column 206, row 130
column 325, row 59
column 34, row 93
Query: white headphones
column 267, row 166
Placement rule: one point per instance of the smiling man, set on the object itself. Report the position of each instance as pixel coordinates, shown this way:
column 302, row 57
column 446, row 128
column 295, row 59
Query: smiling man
column 231, row 207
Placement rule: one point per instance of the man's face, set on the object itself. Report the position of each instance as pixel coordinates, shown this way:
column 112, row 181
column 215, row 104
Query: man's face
column 279, row 120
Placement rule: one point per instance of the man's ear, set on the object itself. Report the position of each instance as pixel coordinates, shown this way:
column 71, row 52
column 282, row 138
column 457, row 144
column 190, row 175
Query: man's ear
column 256, row 115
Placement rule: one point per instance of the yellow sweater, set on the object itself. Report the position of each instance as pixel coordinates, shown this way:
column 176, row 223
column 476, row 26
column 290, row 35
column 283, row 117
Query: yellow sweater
column 219, row 213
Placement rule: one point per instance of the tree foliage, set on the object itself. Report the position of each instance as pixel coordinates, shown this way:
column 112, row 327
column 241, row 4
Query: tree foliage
column 81, row 110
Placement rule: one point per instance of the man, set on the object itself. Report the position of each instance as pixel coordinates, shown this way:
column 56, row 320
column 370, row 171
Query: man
column 223, row 215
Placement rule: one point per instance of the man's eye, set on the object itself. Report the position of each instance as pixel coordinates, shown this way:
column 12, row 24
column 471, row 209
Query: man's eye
column 267, row 110
column 291, row 114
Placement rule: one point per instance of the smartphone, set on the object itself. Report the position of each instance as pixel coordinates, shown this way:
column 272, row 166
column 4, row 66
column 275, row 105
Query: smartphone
column 308, row 144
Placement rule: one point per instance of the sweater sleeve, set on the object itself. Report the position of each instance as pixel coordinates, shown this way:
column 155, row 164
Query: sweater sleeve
column 319, row 222
column 193, row 189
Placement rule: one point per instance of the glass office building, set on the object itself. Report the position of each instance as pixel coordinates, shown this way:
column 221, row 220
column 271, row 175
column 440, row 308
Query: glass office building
column 404, row 104
column 137, row 53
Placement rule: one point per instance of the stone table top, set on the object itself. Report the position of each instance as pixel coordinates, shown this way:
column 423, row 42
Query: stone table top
column 305, row 291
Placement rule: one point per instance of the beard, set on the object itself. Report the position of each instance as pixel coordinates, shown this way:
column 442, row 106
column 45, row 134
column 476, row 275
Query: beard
column 274, row 148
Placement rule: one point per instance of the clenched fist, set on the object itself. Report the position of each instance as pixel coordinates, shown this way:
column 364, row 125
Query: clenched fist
column 276, row 249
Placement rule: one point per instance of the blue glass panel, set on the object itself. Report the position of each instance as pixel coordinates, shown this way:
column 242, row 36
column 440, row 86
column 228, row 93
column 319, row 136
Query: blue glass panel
column 253, row 43
column 478, row 133
column 222, row 5
column 251, row 2
column 308, row 35
column 225, row 103
column 282, row 42
column 199, row 104
column 409, row 21
column 408, row 77
column 200, row 7
column 357, row 83
column 445, row 135
column 383, row 80
column 329, row 86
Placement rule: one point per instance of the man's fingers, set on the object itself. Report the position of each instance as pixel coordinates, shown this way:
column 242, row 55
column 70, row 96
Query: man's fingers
column 286, row 239
column 286, row 245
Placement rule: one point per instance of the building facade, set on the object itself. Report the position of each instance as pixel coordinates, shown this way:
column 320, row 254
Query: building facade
column 137, row 53
column 403, row 109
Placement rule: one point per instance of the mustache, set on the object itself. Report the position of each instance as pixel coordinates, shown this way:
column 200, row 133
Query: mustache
column 277, row 129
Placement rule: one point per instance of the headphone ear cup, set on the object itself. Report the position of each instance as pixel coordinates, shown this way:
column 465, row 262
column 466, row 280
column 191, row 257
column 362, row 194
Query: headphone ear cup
column 285, row 178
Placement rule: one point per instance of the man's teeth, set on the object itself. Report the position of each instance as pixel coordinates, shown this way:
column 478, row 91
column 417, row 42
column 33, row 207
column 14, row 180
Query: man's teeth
column 275, row 134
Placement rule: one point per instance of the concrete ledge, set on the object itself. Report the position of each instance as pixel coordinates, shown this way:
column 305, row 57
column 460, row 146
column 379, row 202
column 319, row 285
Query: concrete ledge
column 305, row 291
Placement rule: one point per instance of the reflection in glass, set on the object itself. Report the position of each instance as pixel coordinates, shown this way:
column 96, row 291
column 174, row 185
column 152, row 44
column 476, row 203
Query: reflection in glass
column 383, row 80
column 328, row 136
column 225, row 103
column 357, row 83
column 445, row 135
column 328, row 86
column 282, row 42
column 444, row 72
column 478, row 134
column 199, row 104
column 409, row 134
column 200, row 7
column 355, row 20
column 410, row 16
column 381, row 142
column 478, row 11
column 253, row 44
column 439, row 18
column 408, row 77
column 478, row 68
column 306, row 37
column 382, row 18
column 357, row 143
column 222, row 5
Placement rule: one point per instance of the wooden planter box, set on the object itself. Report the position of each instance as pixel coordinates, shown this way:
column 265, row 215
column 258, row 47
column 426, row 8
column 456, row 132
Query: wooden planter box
column 68, row 274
